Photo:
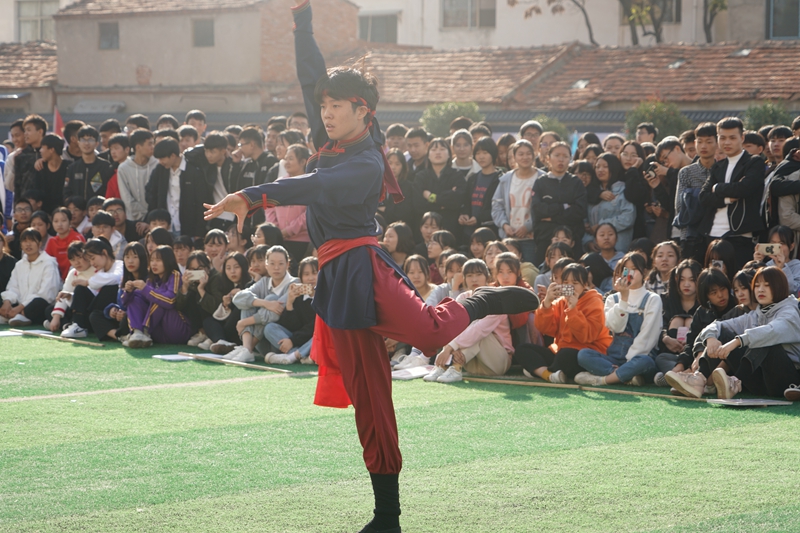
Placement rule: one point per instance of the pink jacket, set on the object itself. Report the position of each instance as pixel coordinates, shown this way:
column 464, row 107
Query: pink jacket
column 480, row 329
column 290, row 219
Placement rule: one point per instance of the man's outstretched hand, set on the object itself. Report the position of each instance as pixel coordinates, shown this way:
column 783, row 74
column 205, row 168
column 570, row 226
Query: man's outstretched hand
column 233, row 203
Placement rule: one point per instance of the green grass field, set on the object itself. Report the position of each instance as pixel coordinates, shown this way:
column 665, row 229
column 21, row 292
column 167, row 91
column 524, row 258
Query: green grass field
column 107, row 440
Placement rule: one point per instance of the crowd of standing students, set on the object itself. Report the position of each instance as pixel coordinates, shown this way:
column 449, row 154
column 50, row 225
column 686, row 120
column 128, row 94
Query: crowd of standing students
column 629, row 244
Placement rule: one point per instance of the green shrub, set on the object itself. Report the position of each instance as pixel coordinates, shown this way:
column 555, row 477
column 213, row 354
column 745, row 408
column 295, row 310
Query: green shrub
column 437, row 118
column 765, row 114
column 666, row 116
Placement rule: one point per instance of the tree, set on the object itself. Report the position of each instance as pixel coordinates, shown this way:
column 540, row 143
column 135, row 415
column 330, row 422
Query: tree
column 665, row 116
column 644, row 12
column 712, row 8
column 557, row 7
column 436, row 118
column 553, row 124
column 757, row 116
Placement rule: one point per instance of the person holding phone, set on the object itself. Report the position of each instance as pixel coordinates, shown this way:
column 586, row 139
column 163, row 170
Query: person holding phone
column 633, row 315
column 200, row 295
column 778, row 252
column 574, row 322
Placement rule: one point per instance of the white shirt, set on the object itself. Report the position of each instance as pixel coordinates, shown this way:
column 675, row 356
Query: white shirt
column 220, row 193
column 721, row 225
column 519, row 200
column 31, row 280
column 174, row 195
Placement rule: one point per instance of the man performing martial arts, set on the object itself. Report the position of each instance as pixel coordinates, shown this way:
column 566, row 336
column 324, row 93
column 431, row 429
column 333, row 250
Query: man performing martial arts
column 362, row 296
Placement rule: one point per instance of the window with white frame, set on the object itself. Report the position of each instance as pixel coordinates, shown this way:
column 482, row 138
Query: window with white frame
column 378, row 28
column 469, row 13
column 35, row 20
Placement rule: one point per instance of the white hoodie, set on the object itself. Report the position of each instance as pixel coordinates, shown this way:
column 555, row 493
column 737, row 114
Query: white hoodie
column 29, row 281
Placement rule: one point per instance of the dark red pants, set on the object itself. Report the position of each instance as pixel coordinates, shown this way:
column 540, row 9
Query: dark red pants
column 364, row 363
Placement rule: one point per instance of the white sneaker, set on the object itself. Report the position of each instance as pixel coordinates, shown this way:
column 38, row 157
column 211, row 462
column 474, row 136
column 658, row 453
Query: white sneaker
column 197, row 338
column 528, row 374
column 307, row 361
column 3, row 320
column 636, row 381
column 205, row 345
column 558, row 377
column 281, row 359
column 435, row 374
column 139, row 339
column 46, row 324
column 413, row 361
column 231, row 353
column 124, row 340
column 585, row 378
column 397, row 358
column 451, row 375
column 242, row 355
column 221, row 347
column 74, row 331
column 20, row 320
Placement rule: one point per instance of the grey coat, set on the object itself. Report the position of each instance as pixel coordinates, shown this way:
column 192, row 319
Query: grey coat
column 501, row 204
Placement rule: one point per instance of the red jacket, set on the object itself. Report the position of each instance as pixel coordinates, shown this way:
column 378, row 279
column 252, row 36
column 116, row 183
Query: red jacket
column 57, row 247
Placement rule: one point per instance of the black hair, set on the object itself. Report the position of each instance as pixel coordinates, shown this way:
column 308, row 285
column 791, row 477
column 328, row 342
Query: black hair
column 417, row 132
column 187, row 130
column 139, row 251
column 77, row 201
column 43, row 216
column 306, row 261
column 226, row 284
column 183, row 240
column 120, row 139
column 19, row 123
column 202, row 260
column 444, row 238
column 578, row 272
column 673, row 291
column 103, row 218
column 744, row 278
column 30, row 234
column 483, row 235
column 215, row 236
column 595, row 149
column 706, row 129
column 271, row 233
column 231, row 138
column 75, row 249
column 254, row 135
column 396, row 130
column 646, row 246
column 420, row 261
column 561, row 246
column 88, row 131
column 169, row 119
column 112, row 202
column 785, row 234
column 34, row 194
column 486, row 144
column 71, row 128
column 780, row 132
column 277, row 249
column 256, row 252
column 167, row 257
column 616, row 136
column 730, row 123
column 394, row 152
column 38, row 122
column 139, row 120
column 292, row 137
column 166, row 148
column 753, row 137
column 590, row 138
column 277, row 119
column 598, row 266
column 686, row 137
column 215, row 140
column 99, row 246
column 343, row 83
column 111, row 125
column 511, row 242
column 639, row 263
column 166, row 133
column 789, row 145
column 461, row 123
column 296, row 114
column 476, row 266
column 98, row 201
column 615, row 170
column 649, row 126
column 161, row 237
column 64, row 211
column 480, row 128
column 561, row 264
column 708, row 280
column 511, row 261
column 195, row 114
column 431, row 215
column 439, row 141
column 566, row 230
column 796, row 123
column 507, row 140
column 276, row 125
column 668, row 144
column 405, row 237
column 530, row 124
column 54, row 142
column 234, row 129
column 721, row 250
column 160, row 215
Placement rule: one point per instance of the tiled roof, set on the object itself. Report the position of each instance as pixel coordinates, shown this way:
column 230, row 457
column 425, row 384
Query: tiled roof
column 132, row 7
column 24, row 66
column 678, row 73
column 483, row 75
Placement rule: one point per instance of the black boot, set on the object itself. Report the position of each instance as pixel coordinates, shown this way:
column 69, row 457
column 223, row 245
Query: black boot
column 387, row 504
column 500, row 301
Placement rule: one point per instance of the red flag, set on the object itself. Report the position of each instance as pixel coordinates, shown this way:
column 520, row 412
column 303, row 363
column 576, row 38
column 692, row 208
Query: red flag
column 58, row 122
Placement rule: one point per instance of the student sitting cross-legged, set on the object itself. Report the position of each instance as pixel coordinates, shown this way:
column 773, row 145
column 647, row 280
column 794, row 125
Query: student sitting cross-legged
column 633, row 315
column 575, row 321
column 758, row 352
column 220, row 328
column 81, row 270
column 151, row 305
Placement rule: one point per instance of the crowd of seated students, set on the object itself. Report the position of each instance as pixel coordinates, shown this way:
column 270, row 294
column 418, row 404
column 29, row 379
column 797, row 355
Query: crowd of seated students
column 643, row 255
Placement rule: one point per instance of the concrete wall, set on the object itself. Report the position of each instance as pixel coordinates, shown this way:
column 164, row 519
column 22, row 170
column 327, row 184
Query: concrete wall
column 158, row 50
column 8, row 19
column 40, row 100
column 419, row 23
column 165, row 101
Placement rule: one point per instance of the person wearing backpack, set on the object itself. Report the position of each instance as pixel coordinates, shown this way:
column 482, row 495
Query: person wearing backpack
column 688, row 211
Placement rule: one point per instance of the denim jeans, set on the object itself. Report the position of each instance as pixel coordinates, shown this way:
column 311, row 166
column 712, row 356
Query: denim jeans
column 274, row 333
column 603, row 365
